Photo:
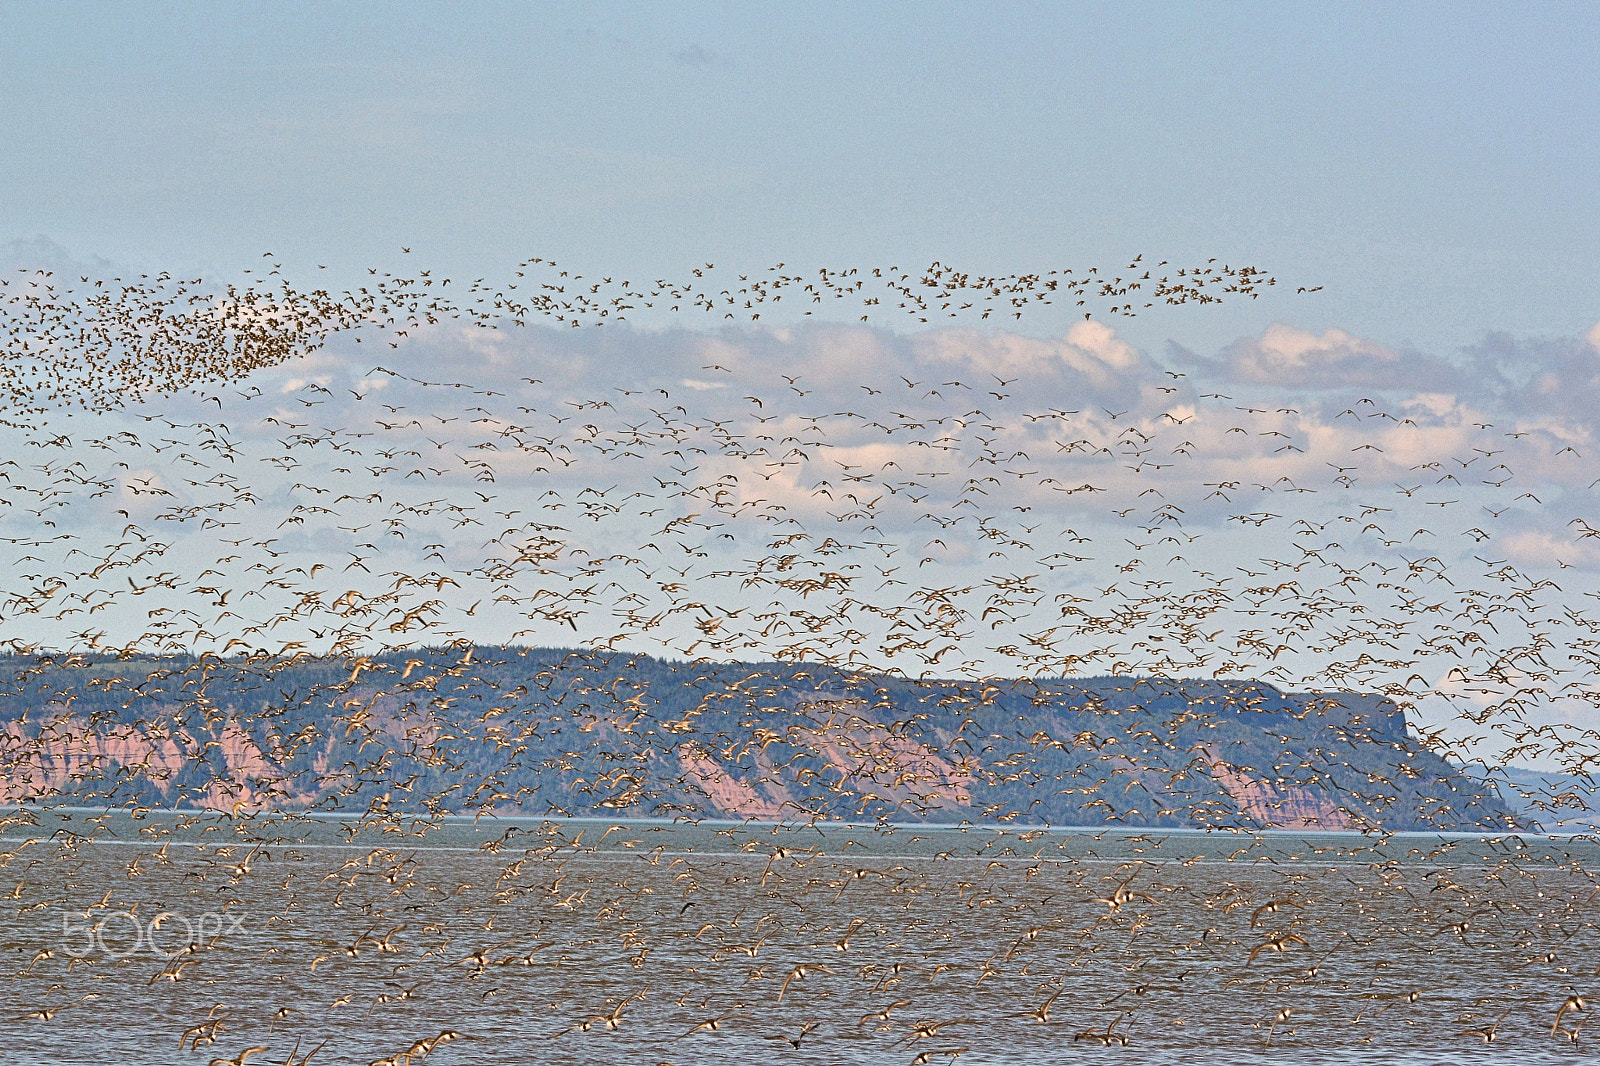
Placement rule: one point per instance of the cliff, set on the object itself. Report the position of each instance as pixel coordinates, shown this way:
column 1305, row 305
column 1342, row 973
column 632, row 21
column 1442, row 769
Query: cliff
column 546, row 730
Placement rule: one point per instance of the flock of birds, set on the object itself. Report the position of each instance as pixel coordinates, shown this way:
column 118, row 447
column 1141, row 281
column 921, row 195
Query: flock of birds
column 975, row 507
column 99, row 343
column 222, row 475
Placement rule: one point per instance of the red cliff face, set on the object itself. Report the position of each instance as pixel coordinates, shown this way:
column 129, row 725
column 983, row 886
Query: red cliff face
column 865, row 761
column 1275, row 806
column 66, row 751
column 735, row 796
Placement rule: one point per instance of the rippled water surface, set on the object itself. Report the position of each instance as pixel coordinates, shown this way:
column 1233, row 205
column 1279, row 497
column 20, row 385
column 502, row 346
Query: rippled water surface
column 579, row 941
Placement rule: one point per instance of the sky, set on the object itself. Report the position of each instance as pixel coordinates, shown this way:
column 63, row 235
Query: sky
column 1420, row 180
column 1432, row 166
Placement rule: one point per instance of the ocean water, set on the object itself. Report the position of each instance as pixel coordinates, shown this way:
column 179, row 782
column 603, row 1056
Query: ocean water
column 132, row 939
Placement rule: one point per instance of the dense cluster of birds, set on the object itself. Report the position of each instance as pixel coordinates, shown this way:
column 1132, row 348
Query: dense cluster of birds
column 203, row 486
column 98, row 343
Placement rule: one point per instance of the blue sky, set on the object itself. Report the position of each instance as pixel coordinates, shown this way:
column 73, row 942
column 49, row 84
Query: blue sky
column 1433, row 167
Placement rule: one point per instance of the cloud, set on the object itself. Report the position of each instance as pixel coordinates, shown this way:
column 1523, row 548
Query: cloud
column 1537, row 548
column 1288, row 356
column 1563, row 378
column 41, row 253
column 1091, row 353
column 1542, row 390
column 1084, row 409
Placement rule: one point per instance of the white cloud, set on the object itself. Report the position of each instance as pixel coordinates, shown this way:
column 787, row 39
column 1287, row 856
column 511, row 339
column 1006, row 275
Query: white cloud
column 1541, row 549
column 1091, row 351
column 1288, row 356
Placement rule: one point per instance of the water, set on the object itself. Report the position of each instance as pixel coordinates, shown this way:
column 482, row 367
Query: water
column 583, row 941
